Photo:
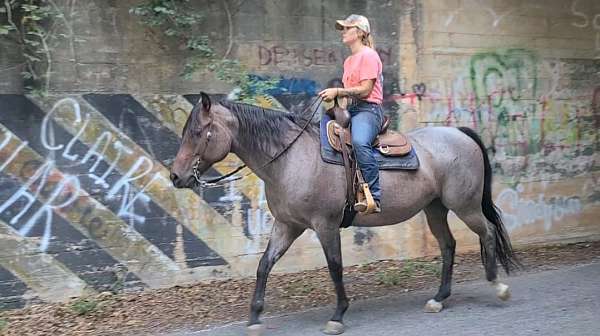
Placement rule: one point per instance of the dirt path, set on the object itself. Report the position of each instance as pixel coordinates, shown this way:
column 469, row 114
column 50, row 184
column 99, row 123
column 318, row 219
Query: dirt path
column 551, row 302
column 204, row 305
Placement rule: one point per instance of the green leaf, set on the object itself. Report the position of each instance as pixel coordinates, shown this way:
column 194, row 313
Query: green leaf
column 32, row 58
column 5, row 30
column 32, row 42
column 164, row 10
column 29, row 8
column 26, row 75
column 171, row 32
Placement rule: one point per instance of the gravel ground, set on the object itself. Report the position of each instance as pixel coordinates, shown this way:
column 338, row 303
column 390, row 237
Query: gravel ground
column 219, row 302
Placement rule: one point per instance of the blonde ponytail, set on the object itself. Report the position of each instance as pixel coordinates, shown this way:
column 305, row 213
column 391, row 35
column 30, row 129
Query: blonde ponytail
column 367, row 39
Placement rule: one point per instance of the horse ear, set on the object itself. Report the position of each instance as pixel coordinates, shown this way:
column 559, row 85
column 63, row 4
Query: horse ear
column 206, row 104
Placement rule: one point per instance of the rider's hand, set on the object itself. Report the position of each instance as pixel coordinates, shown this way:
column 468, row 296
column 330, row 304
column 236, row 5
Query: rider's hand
column 329, row 94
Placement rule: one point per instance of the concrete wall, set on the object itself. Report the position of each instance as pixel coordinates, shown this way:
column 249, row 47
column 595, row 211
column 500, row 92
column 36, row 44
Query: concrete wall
column 85, row 203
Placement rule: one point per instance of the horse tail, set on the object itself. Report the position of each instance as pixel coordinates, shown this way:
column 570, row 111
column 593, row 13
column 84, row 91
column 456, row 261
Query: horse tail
column 504, row 250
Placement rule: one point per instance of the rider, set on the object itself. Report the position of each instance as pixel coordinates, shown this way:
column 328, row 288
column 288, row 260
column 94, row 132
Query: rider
column 362, row 79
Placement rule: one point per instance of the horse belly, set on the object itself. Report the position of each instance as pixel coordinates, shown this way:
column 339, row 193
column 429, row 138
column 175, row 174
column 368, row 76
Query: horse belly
column 388, row 216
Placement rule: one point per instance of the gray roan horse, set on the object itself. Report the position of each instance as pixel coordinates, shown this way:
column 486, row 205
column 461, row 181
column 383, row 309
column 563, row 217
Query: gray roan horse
column 303, row 192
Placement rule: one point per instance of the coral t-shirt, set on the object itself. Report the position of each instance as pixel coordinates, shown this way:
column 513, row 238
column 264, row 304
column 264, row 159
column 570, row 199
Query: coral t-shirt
column 365, row 64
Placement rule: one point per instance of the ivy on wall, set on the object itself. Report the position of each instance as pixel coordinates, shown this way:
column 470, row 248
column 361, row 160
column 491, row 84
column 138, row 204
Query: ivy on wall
column 34, row 26
column 180, row 20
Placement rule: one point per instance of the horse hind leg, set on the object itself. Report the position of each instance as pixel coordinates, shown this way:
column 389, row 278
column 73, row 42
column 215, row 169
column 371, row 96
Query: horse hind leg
column 437, row 219
column 488, row 238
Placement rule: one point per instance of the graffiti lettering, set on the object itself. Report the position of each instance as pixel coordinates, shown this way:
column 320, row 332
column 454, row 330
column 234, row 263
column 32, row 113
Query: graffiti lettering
column 124, row 184
column 279, row 55
column 519, row 211
column 583, row 21
column 306, row 57
column 141, row 167
column 105, row 138
column 67, row 189
column 14, row 154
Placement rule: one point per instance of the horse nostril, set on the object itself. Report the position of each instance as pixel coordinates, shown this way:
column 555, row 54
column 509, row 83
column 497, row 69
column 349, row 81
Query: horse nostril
column 174, row 177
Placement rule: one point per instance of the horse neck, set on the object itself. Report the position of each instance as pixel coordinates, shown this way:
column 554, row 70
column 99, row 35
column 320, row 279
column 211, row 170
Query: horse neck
column 277, row 171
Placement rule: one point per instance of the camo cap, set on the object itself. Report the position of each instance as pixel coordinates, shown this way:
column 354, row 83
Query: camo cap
column 354, row 20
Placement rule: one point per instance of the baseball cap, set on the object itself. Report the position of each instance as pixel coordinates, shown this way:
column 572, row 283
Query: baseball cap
column 354, row 20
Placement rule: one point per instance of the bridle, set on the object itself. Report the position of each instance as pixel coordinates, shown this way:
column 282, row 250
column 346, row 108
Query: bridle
column 226, row 178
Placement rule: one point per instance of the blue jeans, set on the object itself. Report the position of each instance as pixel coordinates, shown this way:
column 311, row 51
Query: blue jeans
column 367, row 119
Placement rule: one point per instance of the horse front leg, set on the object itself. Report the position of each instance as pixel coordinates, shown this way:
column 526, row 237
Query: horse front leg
column 282, row 236
column 330, row 241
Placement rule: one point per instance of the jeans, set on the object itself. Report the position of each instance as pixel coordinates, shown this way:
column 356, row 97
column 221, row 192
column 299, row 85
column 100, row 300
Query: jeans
column 367, row 119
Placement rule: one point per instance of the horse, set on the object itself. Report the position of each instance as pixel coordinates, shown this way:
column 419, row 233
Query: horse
column 303, row 192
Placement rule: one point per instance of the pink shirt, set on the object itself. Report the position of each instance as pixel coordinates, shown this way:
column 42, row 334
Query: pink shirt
column 365, row 64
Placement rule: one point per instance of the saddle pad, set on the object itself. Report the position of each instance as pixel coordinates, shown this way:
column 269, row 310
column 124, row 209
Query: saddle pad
column 330, row 155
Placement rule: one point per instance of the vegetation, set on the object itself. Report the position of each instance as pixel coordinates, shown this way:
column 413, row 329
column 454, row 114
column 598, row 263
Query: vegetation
column 84, row 306
column 181, row 21
column 394, row 276
column 35, row 27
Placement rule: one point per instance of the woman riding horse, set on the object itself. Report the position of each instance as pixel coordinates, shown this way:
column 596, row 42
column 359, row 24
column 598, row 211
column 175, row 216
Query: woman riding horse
column 362, row 79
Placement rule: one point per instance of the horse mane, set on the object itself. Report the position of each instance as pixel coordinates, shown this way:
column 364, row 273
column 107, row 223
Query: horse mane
column 263, row 128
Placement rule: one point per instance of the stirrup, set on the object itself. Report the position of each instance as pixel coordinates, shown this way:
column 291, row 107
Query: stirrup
column 360, row 206
column 365, row 203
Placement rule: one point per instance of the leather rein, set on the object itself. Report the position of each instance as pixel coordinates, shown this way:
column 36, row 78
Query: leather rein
column 226, row 178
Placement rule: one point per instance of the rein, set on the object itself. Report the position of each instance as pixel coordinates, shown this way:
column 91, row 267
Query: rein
column 226, row 178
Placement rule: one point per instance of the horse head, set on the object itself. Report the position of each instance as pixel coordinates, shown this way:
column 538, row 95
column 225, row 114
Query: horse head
column 205, row 140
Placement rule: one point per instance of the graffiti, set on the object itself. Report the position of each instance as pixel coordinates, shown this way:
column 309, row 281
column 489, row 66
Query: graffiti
column 115, row 189
column 69, row 185
column 519, row 211
column 596, row 114
column 419, row 90
column 260, row 220
column 583, row 21
column 13, row 155
column 123, row 184
column 289, row 86
column 534, row 125
column 279, row 55
column 502, row 76
column 307, row 57
column 496, row 17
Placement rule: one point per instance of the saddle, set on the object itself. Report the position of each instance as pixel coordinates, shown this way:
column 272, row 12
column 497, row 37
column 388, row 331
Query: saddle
column 387, row 142
column 339, row 136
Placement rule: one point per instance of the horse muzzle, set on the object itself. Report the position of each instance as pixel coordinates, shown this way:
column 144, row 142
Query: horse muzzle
column 182, row 181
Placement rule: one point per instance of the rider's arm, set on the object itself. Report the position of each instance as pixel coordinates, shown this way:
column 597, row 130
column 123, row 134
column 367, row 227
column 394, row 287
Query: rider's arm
column 360, row 91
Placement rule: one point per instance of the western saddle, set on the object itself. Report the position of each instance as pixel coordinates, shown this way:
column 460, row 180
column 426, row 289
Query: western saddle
column 388, row 143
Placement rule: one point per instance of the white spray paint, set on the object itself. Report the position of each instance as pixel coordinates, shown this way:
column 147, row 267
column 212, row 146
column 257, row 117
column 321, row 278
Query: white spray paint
column 584, row 21
column 518, row 211
column 141, row 167
column 69, row 184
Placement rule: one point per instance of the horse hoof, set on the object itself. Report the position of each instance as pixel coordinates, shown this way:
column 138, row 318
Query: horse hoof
column 255, row 330
column 334, row 328
column 433, row 306
column 502, row 291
